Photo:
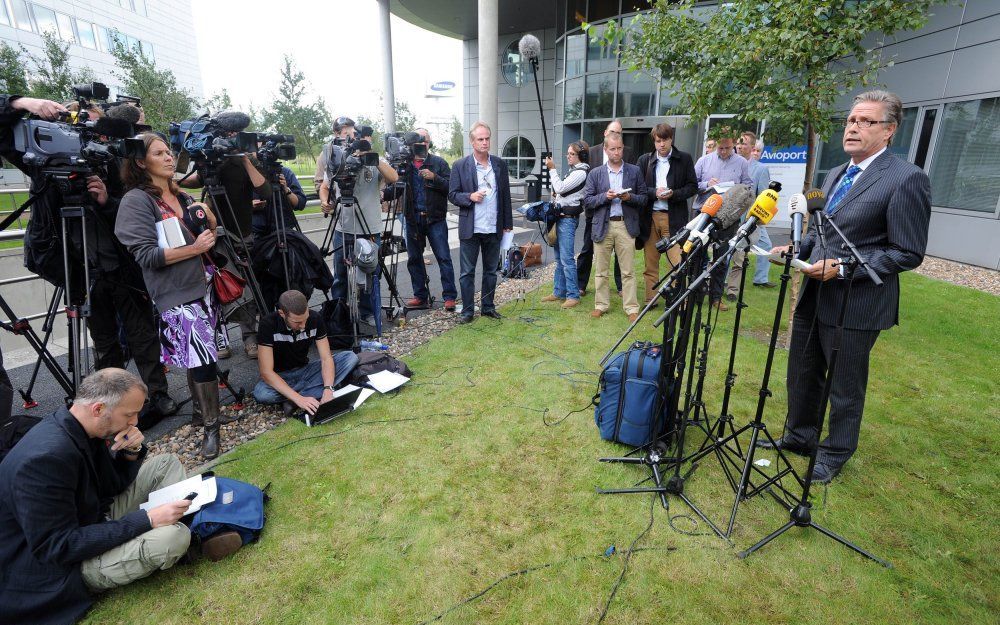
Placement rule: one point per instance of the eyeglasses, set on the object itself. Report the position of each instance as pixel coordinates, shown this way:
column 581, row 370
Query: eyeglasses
column 862, row 123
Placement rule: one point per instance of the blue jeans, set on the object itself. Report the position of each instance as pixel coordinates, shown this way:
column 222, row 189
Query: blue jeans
column 469, row 250
column 565, row 285
column 762, row 264
column 418, row 234
column 370, row 299
column 307, row 380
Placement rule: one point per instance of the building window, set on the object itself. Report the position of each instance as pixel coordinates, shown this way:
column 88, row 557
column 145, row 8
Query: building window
column 515, row 71
column 86, row 32
column 45, row 19
column 636, row 93
column 21, row 15
column 147, row 50
column 519, row 155
column 903, row 136
column 575, row 13
column 65, row 27
column 965, row 167
column 103, row 38
column 558, row 109
column 573, row 110
column 560, row 59
column 598, row 10
column 576, row 54
column 601, row 58
column 4, row 18
column 600, row 98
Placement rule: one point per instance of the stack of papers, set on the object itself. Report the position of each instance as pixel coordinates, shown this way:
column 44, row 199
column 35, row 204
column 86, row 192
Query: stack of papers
column 206, row 490
column 777, row 258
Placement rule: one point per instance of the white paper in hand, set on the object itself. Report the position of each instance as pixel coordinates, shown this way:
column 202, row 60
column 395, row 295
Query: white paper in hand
column 206, row 490
column 777, row 258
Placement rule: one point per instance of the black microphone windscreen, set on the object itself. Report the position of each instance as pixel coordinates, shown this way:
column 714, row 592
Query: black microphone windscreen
column 114, row 128
column 127, row 112
column 232, row 121
column 529, row 47
column 815, row 200
column 735, row 204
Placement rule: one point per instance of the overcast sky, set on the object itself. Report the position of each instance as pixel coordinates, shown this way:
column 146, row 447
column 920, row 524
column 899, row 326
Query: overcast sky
column 335, row 43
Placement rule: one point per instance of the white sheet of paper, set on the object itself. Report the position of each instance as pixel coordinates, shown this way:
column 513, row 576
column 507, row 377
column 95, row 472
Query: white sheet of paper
column 206, row 490
column 796, row 262
column 722, row 187
column 169, row 234
column 385, row 381
column 365, row 394
column 507, row 241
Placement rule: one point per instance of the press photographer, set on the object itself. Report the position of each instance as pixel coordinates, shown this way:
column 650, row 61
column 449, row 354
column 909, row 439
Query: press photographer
column 424, row 185
column 76, row 162
column 274, row 149
column 221, row 156
column 357, row 174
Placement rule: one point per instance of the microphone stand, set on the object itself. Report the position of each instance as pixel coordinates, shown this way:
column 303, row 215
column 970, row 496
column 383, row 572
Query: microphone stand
column 800, row 515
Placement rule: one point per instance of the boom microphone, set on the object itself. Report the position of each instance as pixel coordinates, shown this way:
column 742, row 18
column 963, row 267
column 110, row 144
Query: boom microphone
column 735, row 202
column 128, row 112
column 797, row 209
column 113, row 128
column 529, row 47
column 708, row 210
column 232, row 121
column 762, row 212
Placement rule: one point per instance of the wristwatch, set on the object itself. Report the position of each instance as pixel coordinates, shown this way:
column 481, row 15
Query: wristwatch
column 330, row 388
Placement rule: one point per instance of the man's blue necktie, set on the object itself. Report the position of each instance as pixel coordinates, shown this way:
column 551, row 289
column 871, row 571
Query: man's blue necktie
column 842, row 188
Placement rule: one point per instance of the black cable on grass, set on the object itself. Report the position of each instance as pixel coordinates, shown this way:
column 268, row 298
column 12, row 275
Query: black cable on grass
column 468, row 378
column 628, row 559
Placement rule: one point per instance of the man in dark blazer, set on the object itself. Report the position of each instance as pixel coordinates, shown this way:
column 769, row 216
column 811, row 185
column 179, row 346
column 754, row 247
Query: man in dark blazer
column 615, row 194
column 585, row 259
column 670, row 181
column 70, row 490
column 883, row 205
column 480, row 188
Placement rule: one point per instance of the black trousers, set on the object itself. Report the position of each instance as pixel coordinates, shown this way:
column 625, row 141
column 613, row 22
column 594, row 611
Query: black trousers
column 585, row 259
column 113, row 302
column 808, row 361
column 469, row 251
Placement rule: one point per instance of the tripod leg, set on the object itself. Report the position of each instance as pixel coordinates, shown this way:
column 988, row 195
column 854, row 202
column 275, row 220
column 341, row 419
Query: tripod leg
column 763, row 541
column 849, row 544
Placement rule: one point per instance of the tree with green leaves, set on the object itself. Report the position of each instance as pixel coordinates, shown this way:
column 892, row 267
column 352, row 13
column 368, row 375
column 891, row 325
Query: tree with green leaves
column 53, row 77
column 457, row 138
column 783, row 61
column 292, row 114
column 162, row 99
column 219, row 102
column 406, row 121
column 13, row 73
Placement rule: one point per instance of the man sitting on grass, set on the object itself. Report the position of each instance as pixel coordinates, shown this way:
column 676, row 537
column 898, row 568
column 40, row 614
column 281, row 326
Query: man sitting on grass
column 286, row 374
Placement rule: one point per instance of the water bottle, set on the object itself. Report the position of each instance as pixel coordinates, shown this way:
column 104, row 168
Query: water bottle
column 373, row 346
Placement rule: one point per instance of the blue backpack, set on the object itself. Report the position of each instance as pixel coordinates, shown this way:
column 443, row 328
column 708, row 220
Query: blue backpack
column 627, row 399
column 243, row 514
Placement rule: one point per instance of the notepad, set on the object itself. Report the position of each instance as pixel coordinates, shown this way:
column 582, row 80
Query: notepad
column 169, row 233
column 206, row 490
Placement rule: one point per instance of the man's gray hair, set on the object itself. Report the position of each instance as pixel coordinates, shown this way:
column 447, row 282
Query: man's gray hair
column 613, row 136
column 108, row 387
column 479, row 124
column 891, row 102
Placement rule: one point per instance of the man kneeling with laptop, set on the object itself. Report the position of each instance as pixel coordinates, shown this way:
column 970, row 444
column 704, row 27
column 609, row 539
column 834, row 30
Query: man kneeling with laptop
column 286, row 374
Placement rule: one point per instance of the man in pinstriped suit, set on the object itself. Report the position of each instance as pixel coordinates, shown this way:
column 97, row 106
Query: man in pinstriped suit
column 883, row 205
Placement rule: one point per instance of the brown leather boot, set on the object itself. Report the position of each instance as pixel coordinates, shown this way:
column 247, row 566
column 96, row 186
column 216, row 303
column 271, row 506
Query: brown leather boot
column 195, row 407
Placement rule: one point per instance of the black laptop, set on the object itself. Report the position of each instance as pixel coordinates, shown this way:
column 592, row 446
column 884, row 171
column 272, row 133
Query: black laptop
column 336, row 407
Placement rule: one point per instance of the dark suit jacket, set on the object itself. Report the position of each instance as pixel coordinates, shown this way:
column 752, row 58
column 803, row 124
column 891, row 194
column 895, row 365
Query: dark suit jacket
column 886, row 215
column 681, row 178
column 55, row 487
column 596, row 155
column 435, row 189
column 464, row 183
column 596, row 202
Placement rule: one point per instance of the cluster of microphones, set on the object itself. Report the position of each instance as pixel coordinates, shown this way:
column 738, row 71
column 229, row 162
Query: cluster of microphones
column 721, row 212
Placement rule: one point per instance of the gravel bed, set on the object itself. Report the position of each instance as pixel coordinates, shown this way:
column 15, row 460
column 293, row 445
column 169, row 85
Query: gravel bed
column 255, row 419
column 972, row 276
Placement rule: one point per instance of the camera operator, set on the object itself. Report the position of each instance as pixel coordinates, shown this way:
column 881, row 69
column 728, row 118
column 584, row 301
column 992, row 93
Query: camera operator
column 293, row 199
column 364, row 220
column 344, row 129
column 242, row 177
column 119, row 303
column 427, row 177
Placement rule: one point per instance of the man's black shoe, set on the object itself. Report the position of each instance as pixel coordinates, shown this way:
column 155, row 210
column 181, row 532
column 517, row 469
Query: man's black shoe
column 164, row 404
column 465, row 318
column 765, row 285
column 492, row 314
column 730, row 298
column 824, row 473
column 784, row 445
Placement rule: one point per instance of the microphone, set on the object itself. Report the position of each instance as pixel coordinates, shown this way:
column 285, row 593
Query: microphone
column 762, row 212
column 113, row 128
column 735, row 202
column 232, row 121
column 529, row 47
column 797, row 209
column 128, row 112
column 708, row 210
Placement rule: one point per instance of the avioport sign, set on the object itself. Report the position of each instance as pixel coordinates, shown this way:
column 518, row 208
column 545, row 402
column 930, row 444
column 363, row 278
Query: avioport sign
column 795, row 154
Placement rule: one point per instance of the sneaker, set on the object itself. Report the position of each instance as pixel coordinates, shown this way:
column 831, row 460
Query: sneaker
column 765, row 285
column 251, row 350
column 551, row 298
column 721, row 305
column 597, row 314
column 164, row 404
column 583, row 292
column 224, row 353
column 730, row 297
column 415, row 302
column 449, row 305
column 570, row 303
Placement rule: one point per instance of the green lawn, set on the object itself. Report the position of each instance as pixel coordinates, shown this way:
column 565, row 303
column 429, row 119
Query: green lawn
column 417, row 502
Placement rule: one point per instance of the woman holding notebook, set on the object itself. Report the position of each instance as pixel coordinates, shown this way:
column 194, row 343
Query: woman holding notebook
column 166, row 232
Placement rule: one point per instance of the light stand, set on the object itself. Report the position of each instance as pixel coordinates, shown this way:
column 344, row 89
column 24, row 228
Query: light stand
column 801, row 514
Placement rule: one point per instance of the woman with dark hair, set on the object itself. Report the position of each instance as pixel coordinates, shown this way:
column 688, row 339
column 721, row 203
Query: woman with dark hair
column 177, row 278
column 567, row 195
